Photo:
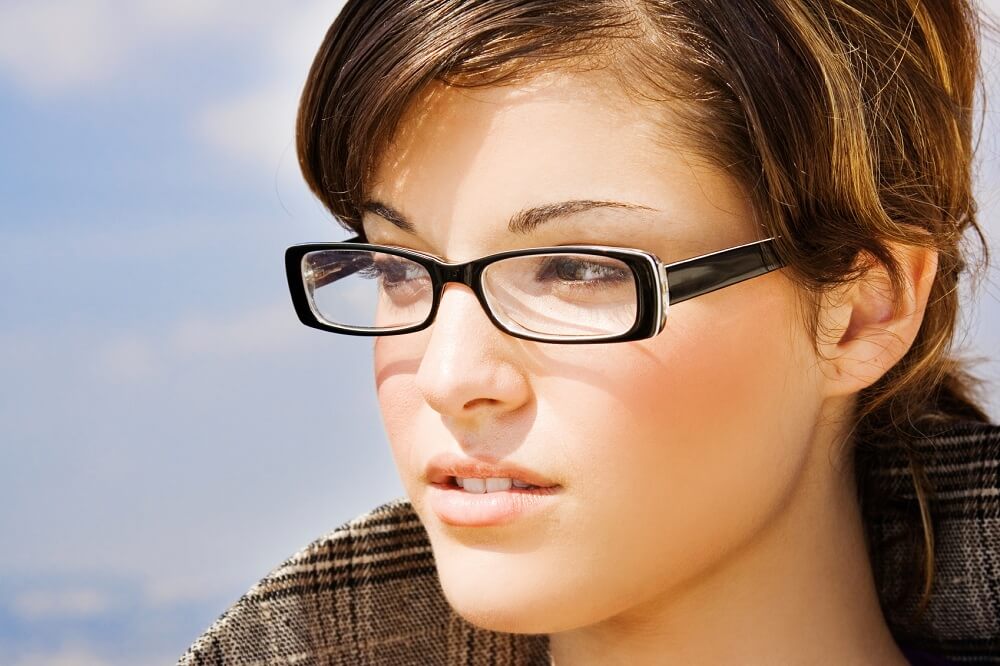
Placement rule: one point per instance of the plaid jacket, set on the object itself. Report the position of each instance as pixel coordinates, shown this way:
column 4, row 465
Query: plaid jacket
column 368, row 592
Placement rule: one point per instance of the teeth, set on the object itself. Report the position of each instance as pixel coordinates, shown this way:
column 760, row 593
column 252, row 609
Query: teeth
column 492, row 485
column 489, row 485
column 473, row 485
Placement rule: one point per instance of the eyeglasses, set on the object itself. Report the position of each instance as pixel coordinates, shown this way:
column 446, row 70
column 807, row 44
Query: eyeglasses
column 560, row 294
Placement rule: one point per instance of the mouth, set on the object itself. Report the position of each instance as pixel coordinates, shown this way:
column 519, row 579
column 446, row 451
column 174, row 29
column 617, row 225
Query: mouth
column 478, row 475
column 470, row 502
column 491, row 485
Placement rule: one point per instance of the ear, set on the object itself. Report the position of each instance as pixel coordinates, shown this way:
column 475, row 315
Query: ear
column 861, row 333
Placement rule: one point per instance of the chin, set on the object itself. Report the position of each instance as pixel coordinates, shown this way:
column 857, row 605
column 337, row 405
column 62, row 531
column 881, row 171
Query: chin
column 498, row 592
column 507, row 614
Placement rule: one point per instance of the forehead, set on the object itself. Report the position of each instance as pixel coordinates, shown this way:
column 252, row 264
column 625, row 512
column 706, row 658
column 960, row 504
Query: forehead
column 451, row 134
column 464, row 154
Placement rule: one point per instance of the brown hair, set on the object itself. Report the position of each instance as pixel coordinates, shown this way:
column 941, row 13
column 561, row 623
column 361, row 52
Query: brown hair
column 848, row 122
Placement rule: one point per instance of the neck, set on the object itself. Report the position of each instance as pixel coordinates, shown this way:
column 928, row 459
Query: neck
column 800, row 592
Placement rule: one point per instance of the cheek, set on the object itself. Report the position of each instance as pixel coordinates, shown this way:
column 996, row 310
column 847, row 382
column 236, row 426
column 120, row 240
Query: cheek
column 717, row 382
column 727, row 382
column 682, row 446
column 396, row 360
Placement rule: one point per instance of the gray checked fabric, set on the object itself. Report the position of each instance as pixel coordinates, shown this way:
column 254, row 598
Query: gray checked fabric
column 368, row 592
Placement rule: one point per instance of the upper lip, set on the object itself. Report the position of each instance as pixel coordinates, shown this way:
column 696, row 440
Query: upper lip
column 445, row 465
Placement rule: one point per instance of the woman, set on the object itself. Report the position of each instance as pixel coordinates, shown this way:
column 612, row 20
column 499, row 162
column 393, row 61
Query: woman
column 662, row 294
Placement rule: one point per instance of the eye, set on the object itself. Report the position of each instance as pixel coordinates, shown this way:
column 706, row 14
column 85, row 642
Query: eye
column 586, row 270
column 390, row 270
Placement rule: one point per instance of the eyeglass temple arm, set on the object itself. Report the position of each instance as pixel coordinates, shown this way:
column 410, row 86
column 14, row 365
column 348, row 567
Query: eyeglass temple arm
column 701, row 275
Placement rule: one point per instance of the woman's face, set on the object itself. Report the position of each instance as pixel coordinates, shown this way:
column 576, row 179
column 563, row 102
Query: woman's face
column 671, row 453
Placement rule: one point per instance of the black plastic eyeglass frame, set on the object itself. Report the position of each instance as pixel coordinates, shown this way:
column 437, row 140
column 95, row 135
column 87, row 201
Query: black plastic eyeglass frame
column 658, row 285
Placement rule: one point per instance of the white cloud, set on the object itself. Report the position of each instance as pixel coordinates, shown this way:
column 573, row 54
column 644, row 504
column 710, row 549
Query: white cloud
column 78, row 653
column 257, row 127
column 60, row 47
column 260, row 332
column 264, row 330
column 64, row 656
column 53, row 47
column 50, row 45
column 165, row 590
column 76, row 602
column 185, row 14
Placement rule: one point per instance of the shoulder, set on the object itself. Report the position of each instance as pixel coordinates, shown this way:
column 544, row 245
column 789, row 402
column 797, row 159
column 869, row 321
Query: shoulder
column 920, row 658
column 961, row 461
column 365, row 593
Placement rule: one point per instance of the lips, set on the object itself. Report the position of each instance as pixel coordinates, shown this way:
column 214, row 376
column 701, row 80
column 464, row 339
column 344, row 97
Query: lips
column 443, row 467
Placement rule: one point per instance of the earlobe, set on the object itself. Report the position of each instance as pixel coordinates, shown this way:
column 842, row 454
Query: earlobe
column 864, row 330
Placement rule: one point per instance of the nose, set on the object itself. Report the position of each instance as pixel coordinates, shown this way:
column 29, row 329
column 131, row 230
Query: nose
column 468, row 370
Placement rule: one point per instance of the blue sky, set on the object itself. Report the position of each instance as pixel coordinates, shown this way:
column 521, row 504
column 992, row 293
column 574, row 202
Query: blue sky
column 170, row 431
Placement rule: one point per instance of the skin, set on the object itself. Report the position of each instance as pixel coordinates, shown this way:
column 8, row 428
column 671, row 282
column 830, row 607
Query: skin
column 707, row 514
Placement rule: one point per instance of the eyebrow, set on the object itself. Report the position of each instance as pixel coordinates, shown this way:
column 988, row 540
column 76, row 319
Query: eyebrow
column 523, row 221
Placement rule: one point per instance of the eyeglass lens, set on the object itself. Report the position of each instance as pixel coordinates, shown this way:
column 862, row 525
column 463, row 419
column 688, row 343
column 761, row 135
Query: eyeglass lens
column 559, row 294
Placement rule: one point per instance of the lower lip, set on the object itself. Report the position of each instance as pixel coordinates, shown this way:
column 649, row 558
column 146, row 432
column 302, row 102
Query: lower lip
column 455, row 506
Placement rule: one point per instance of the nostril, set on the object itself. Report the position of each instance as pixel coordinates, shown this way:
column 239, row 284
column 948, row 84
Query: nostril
column 476, row 402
